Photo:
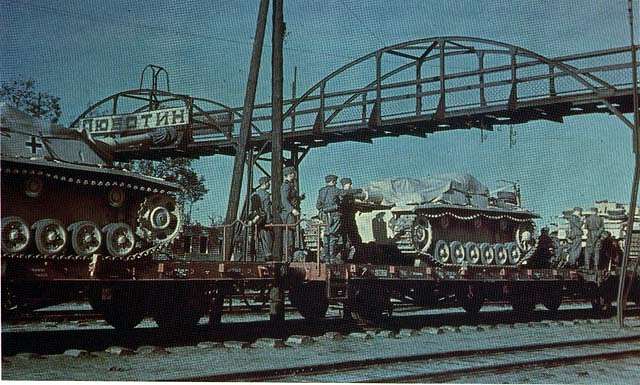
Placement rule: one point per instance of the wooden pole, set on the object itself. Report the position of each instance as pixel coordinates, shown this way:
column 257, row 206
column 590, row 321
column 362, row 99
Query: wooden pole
column 245, row 126
column 276, row 311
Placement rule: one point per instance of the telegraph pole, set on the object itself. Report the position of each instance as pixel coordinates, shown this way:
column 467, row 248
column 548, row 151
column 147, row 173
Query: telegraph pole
column 276, row 312
column 245, row 126
column 623, row 289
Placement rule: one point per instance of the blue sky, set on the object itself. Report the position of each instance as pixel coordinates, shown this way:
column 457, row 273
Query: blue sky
column 84, row 51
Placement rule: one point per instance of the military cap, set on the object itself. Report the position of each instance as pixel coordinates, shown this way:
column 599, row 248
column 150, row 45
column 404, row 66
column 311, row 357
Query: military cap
column 263, row 180
column 289, row 170
column 344, row 181
column 330, row 178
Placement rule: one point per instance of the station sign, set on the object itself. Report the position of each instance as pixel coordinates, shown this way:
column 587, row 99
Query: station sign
column 140, row 121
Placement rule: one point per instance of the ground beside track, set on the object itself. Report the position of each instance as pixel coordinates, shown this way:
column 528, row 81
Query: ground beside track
column 192, row 362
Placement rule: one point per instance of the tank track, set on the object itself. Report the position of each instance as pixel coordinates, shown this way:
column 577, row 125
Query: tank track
column 405, row 242
column 158, row 246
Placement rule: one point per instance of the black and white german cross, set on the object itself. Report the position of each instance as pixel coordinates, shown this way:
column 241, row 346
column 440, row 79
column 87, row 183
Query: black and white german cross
column 35, row 144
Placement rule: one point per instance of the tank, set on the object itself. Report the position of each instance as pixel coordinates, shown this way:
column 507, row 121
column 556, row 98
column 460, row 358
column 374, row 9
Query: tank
column 450, row 219
column 63, row 196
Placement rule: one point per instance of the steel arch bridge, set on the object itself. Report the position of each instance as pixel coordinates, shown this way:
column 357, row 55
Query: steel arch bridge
column 421, row 87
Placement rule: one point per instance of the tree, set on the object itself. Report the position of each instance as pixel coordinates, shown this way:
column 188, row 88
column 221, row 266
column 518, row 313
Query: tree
column 180, row 171
column 22, row 94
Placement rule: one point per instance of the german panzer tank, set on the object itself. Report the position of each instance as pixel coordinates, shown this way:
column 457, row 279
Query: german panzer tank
column 62, row 196
column 451, row 219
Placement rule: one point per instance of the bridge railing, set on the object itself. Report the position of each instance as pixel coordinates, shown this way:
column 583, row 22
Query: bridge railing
column 469, row 78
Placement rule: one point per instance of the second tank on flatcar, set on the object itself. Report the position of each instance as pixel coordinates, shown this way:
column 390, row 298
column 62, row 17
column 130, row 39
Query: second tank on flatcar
column 451, row 219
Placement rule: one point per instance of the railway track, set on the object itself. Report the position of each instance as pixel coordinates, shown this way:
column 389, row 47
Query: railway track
column 98, row 337
column 446, row 366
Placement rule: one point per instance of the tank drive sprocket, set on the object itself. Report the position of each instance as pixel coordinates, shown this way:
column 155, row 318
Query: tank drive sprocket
column 159, row 219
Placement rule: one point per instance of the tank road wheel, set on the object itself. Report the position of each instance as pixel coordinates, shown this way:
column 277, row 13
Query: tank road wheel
column 472, row 252
column 501, row 255
column 15, row 235
column 487, row 254
column 458, row 252
column 50, row 236
column 442, row 252
column 86, row 237
column 310, row 300
column 119, row 239
column 422, row 234
column 513, row 253
column 471, row 300
column 159, row 219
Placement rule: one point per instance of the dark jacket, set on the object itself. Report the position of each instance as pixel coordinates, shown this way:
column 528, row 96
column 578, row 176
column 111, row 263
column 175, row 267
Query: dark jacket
column 328, row 200
column 261, row 206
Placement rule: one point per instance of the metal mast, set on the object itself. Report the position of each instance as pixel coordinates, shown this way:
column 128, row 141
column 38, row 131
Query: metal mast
column 623, row 289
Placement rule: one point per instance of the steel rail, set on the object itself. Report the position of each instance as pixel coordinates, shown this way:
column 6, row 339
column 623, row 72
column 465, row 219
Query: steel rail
column 356, row 365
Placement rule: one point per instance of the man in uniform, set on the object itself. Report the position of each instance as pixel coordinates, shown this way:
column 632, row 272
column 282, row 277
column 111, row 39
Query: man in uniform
column 290, row 208
column 595, row 227
column 349, row 234
column 261, row 216
column 327, row 205
column 379, row 228
column 575, row 236
column 544, row 251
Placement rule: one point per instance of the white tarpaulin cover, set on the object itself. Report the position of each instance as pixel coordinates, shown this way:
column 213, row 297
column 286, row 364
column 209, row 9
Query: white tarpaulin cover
column 458, row 189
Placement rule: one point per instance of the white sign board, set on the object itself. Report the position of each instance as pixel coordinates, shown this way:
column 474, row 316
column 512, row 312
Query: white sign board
column 136, row 122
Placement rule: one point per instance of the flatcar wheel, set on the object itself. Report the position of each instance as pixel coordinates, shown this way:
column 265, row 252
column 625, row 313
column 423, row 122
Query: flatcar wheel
column 15, row 235
column 522, row 305
column 458, row 254
column 501, row 256
column 86, row 238
column 50, row 236
column 471, row 300
column 310, row 300
column 442, row 252
column 601, row 305
column 553, row 299
column 513, row 253
column 472, row 252
column 368, row 305
column 487, row 254
column 180, row 309
column 121, row 308
column 178, row 319
column 120, row 239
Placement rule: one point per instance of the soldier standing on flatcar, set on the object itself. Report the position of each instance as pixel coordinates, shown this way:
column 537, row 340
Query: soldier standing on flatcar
column 349, row 234
column 327, row 205
column 290, row 209
column 575, row 236
column 595, row 228
column 261, row 217
column 379, row 228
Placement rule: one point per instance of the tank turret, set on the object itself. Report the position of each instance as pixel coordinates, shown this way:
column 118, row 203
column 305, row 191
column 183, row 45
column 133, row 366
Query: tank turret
column 62, row 194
